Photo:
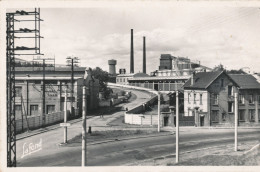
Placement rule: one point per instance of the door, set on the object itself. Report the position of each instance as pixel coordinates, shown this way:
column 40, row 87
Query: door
column 166, row 120
column 156, row 86
column 202, row 121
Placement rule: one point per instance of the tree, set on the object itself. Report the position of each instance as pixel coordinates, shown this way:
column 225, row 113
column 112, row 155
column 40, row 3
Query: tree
column 220, row 67
column 103, row 78
column 240, row 71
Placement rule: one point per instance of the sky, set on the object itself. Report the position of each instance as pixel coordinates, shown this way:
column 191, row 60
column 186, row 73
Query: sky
column 212, row 35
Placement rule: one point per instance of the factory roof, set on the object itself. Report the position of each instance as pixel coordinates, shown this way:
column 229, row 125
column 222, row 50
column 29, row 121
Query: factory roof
column 46, row 78
column 133, row 75
column 63, row 69
column 160, row 78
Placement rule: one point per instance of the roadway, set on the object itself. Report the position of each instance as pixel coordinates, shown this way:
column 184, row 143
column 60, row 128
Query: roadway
column 51, row 138
column 124, row 152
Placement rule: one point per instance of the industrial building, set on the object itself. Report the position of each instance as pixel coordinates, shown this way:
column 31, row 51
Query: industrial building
column 172, row 74
column 29, row 90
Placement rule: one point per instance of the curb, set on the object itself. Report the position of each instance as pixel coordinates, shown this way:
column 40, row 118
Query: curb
column 129, row 138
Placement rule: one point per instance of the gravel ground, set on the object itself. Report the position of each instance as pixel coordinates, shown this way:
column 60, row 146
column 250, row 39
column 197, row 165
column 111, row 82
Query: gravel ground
column 218, row 156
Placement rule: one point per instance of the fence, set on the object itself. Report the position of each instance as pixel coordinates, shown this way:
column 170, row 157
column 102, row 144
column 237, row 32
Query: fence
column 186, row 120
column 35, row 122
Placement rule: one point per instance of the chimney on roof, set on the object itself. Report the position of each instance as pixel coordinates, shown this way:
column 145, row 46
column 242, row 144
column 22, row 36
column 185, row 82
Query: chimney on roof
column 192, row 78
column 144, row 56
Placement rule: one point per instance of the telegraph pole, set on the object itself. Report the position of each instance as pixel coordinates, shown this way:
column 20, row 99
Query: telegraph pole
column 27, row 95
column 50, row 64
column 159, row 110
column 84, row 108
column 43, row 94
column 236, row 120
column 65, row 117
column 71, row 61
column 177, row 127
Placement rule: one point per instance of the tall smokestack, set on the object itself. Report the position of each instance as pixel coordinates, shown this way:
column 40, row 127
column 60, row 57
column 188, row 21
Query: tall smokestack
column 132, row 53
column 144, row 57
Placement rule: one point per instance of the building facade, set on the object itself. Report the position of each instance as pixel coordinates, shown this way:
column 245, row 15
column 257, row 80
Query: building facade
column 209, row 96
column 29, row 91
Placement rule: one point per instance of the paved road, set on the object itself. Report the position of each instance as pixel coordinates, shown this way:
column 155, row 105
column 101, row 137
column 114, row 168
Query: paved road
column 50, row 140
column 129, row 151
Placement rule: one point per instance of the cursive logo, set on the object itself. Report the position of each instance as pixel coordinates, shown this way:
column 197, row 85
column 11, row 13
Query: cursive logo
column 29, row 148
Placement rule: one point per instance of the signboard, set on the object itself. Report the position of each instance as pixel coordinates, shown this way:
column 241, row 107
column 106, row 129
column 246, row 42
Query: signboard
column 64, row 124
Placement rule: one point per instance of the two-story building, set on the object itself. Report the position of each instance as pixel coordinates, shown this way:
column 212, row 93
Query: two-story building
column 209, row 97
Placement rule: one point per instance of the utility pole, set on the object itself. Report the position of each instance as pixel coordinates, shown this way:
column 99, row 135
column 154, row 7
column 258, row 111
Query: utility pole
column 236, row 120
column 43, row 94
column 84, row 108
column 27, row 95
column 159, row 110
column 50, row 66
column 65, row 117
column 177, row 127
column 71, row 61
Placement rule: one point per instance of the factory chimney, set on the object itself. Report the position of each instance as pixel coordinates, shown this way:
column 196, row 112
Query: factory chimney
column 144, row 56
column 132, row 53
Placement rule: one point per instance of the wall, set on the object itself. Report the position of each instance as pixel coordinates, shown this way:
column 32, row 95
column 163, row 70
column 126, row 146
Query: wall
column 35, row 122
column 189, row 103
column 136, row 115
column 246, row 106
column 224, row 117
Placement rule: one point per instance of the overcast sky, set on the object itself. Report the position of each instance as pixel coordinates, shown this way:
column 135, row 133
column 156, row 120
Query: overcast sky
column 213, row 35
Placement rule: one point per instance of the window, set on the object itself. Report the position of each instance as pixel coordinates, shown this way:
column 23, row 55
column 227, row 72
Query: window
column 33, row 110
column 120, row 79
column 230, row 107
column 222, row 82
column 201, row 99
column 188, row 97
column 241, row 115
column 250, row 98
column 194, row 98
column 214, row 116
column 18, row 111
column 18, row 91
column 258, row 114
column 258, row 99
column 124, row 80
column 230, row 90
column 251, row 115
column 215, row 99
column 50, row 108
column 18, row 107
column 241, row 99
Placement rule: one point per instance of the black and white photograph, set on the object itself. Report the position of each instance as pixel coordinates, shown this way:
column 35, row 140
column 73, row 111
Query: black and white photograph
column 128, row 84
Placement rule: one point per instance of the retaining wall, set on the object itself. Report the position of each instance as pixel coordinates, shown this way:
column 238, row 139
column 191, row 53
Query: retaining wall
column 135, row 115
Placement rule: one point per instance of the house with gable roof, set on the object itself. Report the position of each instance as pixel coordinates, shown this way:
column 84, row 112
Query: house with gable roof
column 209, row 97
